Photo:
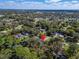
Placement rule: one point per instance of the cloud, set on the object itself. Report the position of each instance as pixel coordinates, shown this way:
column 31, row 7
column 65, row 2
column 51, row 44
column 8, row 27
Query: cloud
column 75, row 2
column 32, row 2
column 55, row 4
column 50, row 1
column 9, row 3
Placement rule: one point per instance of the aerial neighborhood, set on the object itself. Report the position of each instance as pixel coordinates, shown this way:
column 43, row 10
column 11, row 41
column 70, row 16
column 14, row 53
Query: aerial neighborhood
column 39, row 35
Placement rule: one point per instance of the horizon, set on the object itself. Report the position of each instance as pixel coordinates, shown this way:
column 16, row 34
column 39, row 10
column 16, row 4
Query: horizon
column 42, row 9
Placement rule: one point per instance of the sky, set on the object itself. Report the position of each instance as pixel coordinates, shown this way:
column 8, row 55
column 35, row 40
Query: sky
column 40, row 4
